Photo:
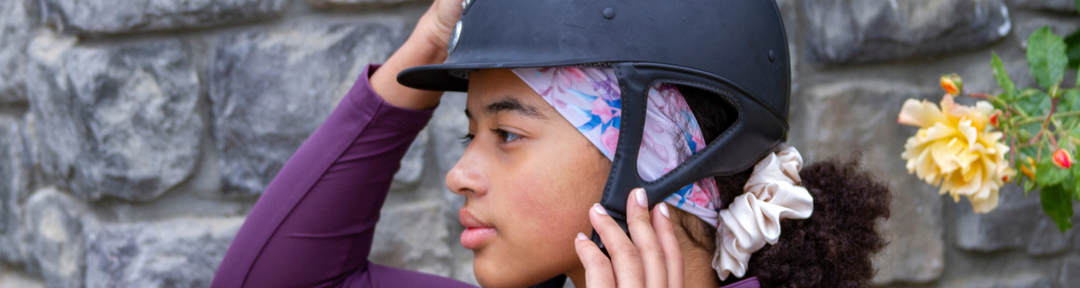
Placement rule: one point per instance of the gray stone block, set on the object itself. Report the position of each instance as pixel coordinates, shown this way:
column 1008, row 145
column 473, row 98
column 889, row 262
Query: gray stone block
column 839, row 119
column 1053, row 5
column 413, row 236
column 270, row 89
column 412, row 164
column 115, row 121
column 130, row 16
column 1021, row 280
column 14, row 188
column 173, row 253
column 56, row 221
column 1018, row 223
column 862, row 31
column 14, row 34
column 19, row 280
column 1070, row 273
column 1028, row 23
column 325, row 4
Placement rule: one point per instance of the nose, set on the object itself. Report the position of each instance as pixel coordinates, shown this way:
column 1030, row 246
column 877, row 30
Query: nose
column 465, row 178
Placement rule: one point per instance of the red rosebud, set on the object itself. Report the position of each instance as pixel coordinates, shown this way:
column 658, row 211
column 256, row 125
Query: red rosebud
column 994, row 118
column 952, row 84
column 1062, row 158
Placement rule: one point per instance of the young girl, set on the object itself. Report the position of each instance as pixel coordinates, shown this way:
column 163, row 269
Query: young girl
column 555, row 135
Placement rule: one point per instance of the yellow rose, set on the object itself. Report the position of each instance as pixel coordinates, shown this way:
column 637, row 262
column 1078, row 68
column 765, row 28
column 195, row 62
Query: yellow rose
column 956, row 149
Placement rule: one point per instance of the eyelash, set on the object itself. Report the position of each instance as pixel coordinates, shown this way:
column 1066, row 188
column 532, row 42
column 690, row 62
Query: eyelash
column 504, row 136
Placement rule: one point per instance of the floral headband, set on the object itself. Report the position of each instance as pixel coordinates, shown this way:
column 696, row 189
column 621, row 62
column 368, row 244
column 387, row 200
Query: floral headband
column 589, row 98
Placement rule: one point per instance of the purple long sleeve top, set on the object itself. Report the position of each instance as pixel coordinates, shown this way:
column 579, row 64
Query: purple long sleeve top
column 314, row 223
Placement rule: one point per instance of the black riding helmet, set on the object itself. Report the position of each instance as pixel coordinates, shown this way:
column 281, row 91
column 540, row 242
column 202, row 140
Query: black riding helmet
column 736, row 49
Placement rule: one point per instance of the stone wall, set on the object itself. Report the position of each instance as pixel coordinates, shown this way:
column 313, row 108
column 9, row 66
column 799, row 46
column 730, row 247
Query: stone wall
column 135, row 135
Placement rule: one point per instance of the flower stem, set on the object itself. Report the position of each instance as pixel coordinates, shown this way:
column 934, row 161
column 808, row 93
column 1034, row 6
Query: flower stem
column 1054, row 142
column 1038, row 154
column 1046, row 121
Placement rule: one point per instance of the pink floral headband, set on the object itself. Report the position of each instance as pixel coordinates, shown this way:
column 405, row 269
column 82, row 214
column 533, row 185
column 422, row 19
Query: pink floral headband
column 589, row 98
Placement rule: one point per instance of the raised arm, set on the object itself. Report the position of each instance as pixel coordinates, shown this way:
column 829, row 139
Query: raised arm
column 313, row 225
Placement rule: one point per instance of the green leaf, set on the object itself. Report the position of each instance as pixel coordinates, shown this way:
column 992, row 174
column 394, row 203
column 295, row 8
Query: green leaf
column 1000, row 105
column 1028, row 186
column 1074, row 189
column 1034, row 103
column 1003, row 77
column 1069, row 184
column 1058, row 205
column 1072, row 49
column 1077, row 5
column 1048, row 174
column 1046, row 57
column 1075, row 132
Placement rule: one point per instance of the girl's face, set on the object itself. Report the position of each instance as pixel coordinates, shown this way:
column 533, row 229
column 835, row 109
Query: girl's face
column 528, row 177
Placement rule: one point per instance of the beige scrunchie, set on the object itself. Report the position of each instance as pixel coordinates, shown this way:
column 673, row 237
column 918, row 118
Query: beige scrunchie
column 753, row 219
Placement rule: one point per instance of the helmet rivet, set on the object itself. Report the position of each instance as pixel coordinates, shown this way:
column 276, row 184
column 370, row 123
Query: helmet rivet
column 772, row 56
column 609, row 12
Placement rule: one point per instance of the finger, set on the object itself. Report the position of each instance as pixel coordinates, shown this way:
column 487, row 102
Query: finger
column 665, row 234
column 641, row 230
column 626, row 262
column 598, row 271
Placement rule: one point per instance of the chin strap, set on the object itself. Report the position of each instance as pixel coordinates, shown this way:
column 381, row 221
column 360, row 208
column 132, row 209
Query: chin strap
column 773, row 193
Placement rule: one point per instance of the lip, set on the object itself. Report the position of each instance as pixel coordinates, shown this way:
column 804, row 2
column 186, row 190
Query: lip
column 476, row 232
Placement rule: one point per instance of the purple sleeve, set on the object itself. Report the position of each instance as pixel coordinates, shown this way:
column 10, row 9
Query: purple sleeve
column 313, row 225
column 751, row 282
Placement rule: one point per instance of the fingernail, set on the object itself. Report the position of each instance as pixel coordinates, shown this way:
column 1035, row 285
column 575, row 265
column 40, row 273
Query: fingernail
column 599, row 209
column 581, row 236
column 663, row 210
column 641, row 199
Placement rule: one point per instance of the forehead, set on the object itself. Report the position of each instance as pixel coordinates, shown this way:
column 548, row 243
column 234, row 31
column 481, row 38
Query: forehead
column 495, row 90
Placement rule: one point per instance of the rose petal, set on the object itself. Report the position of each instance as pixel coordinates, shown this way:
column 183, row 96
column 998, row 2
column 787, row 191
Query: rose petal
column 920, row 113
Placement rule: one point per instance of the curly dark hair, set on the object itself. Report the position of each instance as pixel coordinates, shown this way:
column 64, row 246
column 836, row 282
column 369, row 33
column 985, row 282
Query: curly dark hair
column 833, row 247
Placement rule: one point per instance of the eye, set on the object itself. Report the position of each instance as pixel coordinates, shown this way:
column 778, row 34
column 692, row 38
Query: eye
column 506, row 136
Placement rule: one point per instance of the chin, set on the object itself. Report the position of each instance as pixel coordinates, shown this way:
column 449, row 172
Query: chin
column 491, row 272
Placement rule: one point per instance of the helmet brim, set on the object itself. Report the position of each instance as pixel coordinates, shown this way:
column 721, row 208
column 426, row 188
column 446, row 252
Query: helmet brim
column 454, row 76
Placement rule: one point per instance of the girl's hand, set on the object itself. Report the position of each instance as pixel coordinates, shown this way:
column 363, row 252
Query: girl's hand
column 426, row 45
column 439, row 21
column 652, row 259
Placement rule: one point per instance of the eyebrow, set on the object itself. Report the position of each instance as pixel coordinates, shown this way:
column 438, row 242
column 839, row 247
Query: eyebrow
column 510, row 105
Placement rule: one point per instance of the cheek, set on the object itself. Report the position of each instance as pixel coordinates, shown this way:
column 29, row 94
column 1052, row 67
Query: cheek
column 551, row 201
column 551, row 204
